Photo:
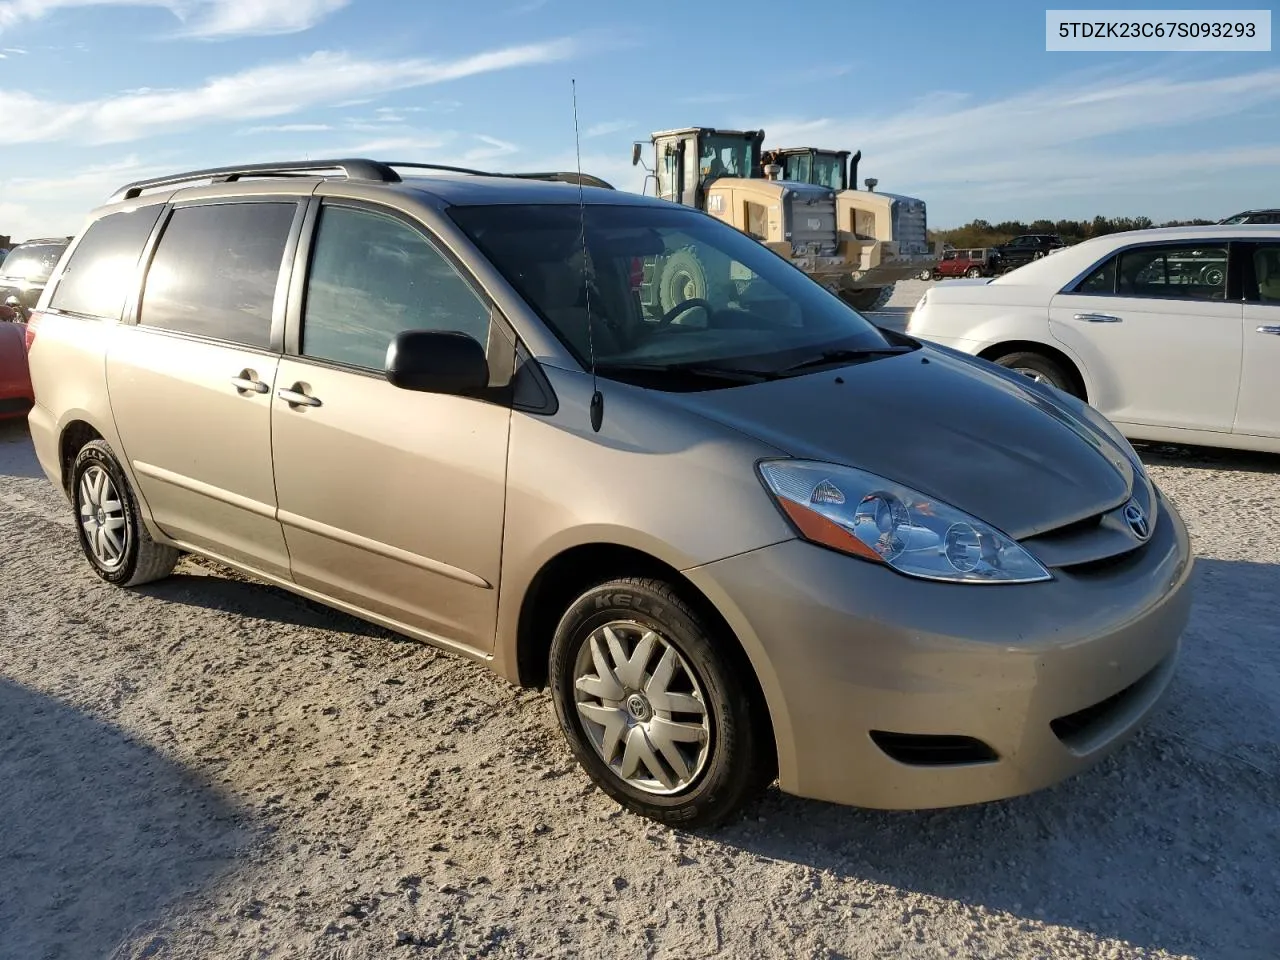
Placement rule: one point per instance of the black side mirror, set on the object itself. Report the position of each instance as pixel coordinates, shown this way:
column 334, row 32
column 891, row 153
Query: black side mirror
column 437, row 361
column 635, row 153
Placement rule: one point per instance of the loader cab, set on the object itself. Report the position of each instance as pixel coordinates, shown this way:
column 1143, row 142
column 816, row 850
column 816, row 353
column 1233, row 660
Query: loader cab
column 688, row 161
column 824, row 168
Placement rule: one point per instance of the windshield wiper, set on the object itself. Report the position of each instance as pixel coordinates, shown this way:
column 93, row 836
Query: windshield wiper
column 693, row 369
column 841, row 356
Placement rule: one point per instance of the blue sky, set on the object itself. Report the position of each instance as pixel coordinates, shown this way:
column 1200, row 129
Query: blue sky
column 957, row 104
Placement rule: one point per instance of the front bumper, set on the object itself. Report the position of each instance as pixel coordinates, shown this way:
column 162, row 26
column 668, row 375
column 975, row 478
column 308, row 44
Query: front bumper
column 1051, row 677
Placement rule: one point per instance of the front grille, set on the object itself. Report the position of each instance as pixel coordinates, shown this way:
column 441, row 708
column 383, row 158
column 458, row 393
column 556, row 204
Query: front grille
column 910, row 228
column 812, row 224
column 932, row 750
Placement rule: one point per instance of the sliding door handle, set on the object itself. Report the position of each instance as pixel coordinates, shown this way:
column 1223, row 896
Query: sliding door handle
column 296, row 398
column 1270, row 328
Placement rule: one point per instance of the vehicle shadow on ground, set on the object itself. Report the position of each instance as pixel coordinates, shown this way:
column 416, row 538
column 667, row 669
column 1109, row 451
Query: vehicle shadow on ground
column 221, row 590
column 17, row 457
column 99, row 833
column 1172, row 842
column 1212, row 458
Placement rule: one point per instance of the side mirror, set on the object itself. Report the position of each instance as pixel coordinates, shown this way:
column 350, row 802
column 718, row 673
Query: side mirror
column 635, row 153
column 436, row 361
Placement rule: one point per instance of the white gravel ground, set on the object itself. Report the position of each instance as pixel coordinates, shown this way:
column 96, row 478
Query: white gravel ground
column 209, row 768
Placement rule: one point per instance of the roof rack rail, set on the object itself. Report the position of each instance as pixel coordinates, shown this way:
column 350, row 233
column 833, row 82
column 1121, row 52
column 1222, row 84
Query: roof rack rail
column 586, row 179
column 564, row 177
column 410, row 165
column 351, row 169
column 375, row 171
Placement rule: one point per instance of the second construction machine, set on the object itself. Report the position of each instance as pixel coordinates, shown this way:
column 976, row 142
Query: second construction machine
column 857, row 246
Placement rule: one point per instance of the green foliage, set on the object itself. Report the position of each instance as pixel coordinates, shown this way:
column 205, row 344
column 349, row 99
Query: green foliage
column 981, row 233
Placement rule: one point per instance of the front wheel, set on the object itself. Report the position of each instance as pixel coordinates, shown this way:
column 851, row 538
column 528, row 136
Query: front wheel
column 1042, row 369
column 973, row 272
column 654, row 707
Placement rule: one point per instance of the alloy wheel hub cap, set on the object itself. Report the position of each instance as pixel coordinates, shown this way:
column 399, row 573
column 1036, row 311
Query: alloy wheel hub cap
column 102, row 518
column 642, row 708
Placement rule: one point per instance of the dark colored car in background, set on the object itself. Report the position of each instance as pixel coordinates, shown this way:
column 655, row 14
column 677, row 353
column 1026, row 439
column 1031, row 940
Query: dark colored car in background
column 26, row 269
column 1253, row 216
column 1022, row 250
column 978, row 262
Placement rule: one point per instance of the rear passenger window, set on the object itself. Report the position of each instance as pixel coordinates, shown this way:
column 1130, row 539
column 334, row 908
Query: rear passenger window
column 1266, row 270
column 215, row 271
column 102, row 267
column 372, row 277
column 1102, row 280
column 1183, row 273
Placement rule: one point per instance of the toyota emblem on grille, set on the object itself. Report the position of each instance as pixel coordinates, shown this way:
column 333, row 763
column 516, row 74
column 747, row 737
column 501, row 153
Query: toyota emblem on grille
column 1136, row 518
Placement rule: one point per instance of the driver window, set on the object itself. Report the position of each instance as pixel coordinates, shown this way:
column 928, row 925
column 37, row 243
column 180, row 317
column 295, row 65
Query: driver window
column 373, row 276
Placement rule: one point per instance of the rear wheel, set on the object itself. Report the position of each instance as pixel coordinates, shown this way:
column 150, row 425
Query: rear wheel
column 867, row 299
column 1042, row 369
column 653, row 706
column 111, row 532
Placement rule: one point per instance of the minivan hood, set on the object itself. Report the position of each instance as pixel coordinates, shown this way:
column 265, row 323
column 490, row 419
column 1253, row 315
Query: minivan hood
column 951, row 427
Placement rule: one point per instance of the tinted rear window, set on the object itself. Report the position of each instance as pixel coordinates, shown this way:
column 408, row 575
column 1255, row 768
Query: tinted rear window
column 32, row 261
column 215, row 269
column 102, row 267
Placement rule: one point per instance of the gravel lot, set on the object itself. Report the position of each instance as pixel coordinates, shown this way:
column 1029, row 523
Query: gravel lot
column 207, row 767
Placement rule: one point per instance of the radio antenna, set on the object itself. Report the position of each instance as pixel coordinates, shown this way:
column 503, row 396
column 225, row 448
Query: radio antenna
column 597, row 399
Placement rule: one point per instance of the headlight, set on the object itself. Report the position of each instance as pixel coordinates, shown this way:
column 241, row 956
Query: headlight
column 884, row 522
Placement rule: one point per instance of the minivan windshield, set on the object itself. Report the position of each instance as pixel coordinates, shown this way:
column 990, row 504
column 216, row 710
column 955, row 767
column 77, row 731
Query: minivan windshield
column 33, row 262
column 669, row 290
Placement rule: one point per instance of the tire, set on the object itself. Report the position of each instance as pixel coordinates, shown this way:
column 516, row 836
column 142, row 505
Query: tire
column 685, row 277
column 605, row 709
column 868, row 299
column 104, row 503
column 1039, row 367
column 973, row 272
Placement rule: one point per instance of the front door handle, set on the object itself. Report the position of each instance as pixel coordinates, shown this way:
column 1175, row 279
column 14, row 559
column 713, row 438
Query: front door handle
column 1270, row 328
column 295, row 397
column 1098, row 318
column 247, row 382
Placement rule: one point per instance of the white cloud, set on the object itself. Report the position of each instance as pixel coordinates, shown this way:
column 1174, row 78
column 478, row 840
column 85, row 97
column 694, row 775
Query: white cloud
column 289, row 128
column 256, row 93
column 199, row 18
column 606, row 128
column 492, row 149
column 1076, row 137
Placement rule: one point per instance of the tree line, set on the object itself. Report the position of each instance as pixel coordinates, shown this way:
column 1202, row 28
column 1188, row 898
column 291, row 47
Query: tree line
column 981, row 233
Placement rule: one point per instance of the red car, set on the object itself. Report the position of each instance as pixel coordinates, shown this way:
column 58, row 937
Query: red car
column 964, row 263
column 16, row 395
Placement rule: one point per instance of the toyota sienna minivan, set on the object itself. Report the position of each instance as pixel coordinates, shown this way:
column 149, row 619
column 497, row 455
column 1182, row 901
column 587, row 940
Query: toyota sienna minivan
column 606, row 444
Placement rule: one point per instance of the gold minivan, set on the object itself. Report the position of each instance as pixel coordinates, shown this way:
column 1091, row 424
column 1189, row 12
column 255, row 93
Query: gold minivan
column 740, row 536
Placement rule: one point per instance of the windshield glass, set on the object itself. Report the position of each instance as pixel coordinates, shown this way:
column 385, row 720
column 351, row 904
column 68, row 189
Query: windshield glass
column 32, row 261
column 828, row 172
column 667, row 286
column 724, row 156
